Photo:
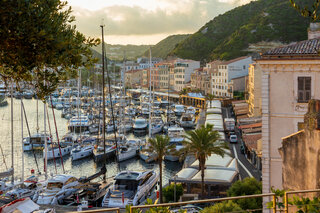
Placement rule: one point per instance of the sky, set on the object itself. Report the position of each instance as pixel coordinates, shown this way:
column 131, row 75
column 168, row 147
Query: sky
column 145, row 21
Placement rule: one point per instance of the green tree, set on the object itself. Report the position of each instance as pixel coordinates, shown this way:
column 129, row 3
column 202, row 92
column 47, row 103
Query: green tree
column 161, row 146
column 313, row 13
column 210, row 98
column 168, row 192
column 225, row 206
column 184, row 91
column 203, row 142
column 247, row 186
column 38, row 44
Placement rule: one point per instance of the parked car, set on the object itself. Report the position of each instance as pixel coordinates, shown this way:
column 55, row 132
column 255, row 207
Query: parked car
column 188, row 209
column 233, row 139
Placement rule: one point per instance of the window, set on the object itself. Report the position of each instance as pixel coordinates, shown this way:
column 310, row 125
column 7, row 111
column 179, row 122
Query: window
column 304, row 89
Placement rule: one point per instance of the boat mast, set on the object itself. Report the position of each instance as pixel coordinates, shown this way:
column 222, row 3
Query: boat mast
column 22, row 152
column 12, row 148
column 78, row 101
column 150, row 93
column 103, row 105
column 45, row 138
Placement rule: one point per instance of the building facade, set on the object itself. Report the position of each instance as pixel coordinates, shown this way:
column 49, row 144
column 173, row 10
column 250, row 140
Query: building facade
column 133, row 78
column 254, row 90
column 182, row 70
column 290, row 77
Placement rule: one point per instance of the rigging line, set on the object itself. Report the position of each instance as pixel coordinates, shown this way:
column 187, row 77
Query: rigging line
column 4, row 159
column 55, row 125
column 34, row 154
column 52, row 147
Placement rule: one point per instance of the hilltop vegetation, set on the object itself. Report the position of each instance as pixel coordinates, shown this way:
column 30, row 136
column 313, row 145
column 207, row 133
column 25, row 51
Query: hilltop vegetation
column 229, row 35
column 165, row 46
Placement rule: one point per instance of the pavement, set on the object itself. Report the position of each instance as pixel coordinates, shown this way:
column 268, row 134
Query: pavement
column 246, row 169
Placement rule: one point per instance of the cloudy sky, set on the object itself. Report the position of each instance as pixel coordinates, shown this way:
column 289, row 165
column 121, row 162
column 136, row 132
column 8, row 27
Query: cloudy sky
column 145, row 21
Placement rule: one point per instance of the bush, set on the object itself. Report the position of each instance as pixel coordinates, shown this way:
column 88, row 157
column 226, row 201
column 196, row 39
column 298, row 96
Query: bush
column 248, row 186
column 225, row 206
column 168, row 192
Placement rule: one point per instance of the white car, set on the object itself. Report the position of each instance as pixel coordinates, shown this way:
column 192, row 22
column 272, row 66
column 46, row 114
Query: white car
column 233, row 139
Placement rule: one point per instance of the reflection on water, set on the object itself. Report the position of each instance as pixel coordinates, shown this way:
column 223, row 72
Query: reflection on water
column 83, row 167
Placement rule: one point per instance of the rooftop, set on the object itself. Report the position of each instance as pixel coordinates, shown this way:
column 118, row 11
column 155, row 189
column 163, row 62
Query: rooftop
column 307, row 47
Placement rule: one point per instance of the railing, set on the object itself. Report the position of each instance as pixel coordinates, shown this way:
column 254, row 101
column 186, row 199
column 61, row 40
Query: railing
column 207, row 201
column 100, row 210
column 286, row 203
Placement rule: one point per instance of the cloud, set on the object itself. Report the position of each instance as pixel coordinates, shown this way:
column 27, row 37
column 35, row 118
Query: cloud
column 126, row 20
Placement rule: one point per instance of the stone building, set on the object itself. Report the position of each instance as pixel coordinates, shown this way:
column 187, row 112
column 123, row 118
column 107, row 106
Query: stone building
column 254, row 90
column 290, row 78
column 300, row 153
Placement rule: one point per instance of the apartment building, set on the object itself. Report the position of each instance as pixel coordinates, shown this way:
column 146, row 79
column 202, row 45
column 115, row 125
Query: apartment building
column 133, row 78
column 290, row 77
column 182, row 70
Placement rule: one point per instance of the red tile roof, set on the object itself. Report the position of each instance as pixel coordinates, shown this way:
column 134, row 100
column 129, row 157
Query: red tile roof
column 248, row 126
column 251, row 140
column 307, row 47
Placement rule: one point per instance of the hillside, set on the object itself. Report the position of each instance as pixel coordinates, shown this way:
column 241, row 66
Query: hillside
column 230, row 35
column 116, row 51
column 165, row 46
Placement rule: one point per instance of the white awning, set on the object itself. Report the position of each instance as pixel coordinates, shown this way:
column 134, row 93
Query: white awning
column 216, row 176
column 187, row 173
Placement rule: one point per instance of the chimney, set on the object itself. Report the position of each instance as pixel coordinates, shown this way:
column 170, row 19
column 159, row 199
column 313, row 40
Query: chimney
column 314, row 30
column 312, row 117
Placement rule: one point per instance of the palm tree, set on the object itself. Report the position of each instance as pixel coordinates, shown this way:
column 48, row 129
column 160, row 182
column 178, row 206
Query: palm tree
column 184, row 91
column 203, row 142
column 210, row 98
column 161, row 146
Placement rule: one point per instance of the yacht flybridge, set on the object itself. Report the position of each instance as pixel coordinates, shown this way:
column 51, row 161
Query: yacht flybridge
column 130, row 187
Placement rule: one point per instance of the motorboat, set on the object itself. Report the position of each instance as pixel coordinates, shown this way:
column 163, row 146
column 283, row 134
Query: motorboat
column 187, row 120
column 156, row 125
column 35, row 141
column 175, row 134
column 140, row 124
column 147, row 156
column 57, row 188
column 191, row 110
column 56, row 152
column 99, row 154
column 27, row 94
column 81, row 152
column 59, row 106
column 79, row 124
column 130, row 188
column 23, row 190
column 179, row 110
column 127, row 152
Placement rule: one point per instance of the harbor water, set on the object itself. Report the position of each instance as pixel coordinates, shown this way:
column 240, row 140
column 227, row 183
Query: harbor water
column 80, row 168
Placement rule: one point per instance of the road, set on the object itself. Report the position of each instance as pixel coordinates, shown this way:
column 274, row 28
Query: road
column 246, row 169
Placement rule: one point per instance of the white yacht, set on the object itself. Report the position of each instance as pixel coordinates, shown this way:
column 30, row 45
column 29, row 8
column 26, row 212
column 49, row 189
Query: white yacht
column 81, row 152
column 127, row 152
column 77, row 123
column 57, row 188
column 35, row 141
column 191, row 110
column 187, row 120
column 179, row 110
column 54, row 152
column 156, row 125
column 130, row 187
column 140, row 124
column 176, row 137
column 23, row 190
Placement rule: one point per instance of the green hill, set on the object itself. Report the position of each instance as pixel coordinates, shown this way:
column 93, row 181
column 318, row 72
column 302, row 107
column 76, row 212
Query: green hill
column 116, row 51
column 232, row 34
column 165, row 46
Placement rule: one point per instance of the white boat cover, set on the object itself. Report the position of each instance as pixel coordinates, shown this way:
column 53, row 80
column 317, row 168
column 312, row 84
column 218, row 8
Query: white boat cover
column 187, row 173
column 216, row 175
column 215, row 161
column 214, row 117
column 24, row 206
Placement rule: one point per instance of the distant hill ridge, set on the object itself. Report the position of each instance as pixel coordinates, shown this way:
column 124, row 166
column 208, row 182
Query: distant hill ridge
column 244, row 30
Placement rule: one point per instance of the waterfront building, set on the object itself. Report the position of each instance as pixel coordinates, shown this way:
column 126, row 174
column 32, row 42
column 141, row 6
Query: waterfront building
column 144, row 62
column 290, row 77
column 254, row 90
column 182, row 72
column 133, row 78
column 130, row 65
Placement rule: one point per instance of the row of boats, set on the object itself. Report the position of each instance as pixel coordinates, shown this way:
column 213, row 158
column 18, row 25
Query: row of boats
column 127, row 188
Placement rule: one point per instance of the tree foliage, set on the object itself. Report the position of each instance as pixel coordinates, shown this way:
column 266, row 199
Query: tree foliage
column 38, row 44
column 248, row 186
column 229, row 35
column 226, row 206
column 202, row 143
column 304, row 10
column 168, row 192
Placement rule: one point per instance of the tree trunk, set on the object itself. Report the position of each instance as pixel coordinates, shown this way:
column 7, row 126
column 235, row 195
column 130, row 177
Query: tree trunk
column 202, row 165
column 160, row 168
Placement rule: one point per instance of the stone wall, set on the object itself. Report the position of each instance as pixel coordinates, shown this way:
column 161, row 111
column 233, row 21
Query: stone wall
column 300, row 153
